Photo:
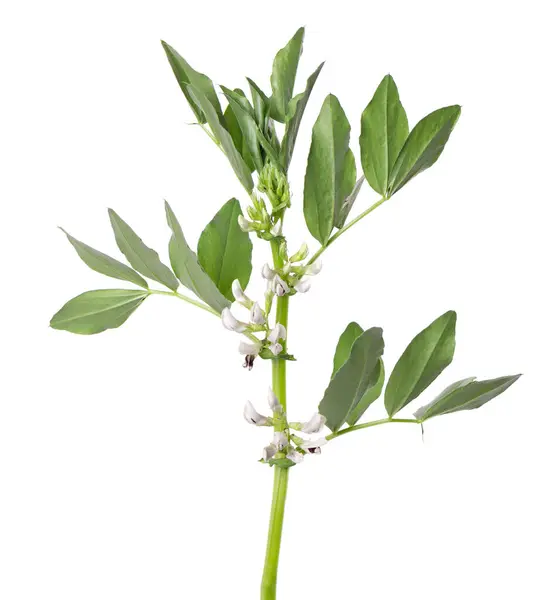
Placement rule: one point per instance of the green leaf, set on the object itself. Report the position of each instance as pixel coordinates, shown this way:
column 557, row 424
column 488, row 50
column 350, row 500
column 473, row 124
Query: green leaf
column 233, row 127
column 429, row 353
column 94, row 312
column 187, row 268
column 325, row 171
column 246, row 119
column 283, row 76
column 144, row 260
column 465, row 395
column 225, row 251
column 384, row 129
column 186, row 77
column 261, row 104
column 296, row 109
column 346, row 188
column 371, row 395
column 352, row 332
column 104, row 264
column 224, row 138
column 424, row 146
column 348, row 204
column 353, row 380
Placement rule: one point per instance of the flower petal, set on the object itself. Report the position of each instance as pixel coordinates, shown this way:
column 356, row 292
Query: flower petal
column 230, row 322
column 253, row 416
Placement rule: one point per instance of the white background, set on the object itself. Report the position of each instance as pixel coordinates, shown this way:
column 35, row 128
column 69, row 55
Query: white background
column 126, row 469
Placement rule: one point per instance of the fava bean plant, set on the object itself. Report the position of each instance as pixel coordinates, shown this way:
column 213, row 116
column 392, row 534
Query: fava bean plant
column 248, row 133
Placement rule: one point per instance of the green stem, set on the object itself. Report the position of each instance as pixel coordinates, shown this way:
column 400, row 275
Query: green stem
column 200, row 305
column 346, row 228
column 332, row 436
column 186, row 299
column 281, row 475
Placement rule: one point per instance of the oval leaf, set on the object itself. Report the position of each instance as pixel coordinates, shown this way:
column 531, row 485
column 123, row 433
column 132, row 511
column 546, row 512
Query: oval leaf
column 186, row 267
column 353, row 380
column 283, row 75
column 104, row 264
column 424, row 146
column 96, row 311
column 465, row 395
column 430, row 352
column 325, row 171
column 343, row 350
column 225, row 251
column 384, row 129
column 371, row 395
column 144, row 260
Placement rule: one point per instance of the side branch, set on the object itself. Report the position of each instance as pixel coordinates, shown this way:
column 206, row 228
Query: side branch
column 346, row 228
column 332, row 436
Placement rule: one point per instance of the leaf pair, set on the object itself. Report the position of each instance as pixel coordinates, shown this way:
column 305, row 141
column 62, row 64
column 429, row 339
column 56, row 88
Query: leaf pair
column 224, row 254
column 357, row 378
column 391, row 156
column 424, row 359
column 330, row 173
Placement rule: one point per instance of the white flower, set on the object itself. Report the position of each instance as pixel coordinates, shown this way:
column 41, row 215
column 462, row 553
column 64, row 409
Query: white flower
column 276, row 349
column 256, row 315
column 314, row 425
column 231, row 323
column 245, row 224
column 253, row 416
column 302, row 286
column 267, row 272
column 273, row 402
column 280, row 439
column 313, row 446
column 314, row 268
column 240, row 296
column 277, row 333
column 277, row 229
column 269, row 452
column 249, row 348
column 301, row 254
column 295, row 456
column 279, row 286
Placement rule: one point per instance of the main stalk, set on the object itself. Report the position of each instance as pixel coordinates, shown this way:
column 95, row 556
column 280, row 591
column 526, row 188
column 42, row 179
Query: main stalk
column 281, row 475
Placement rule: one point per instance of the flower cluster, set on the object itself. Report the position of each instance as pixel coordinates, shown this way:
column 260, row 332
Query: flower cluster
column 285, row 444
column 273, row 342
column 292, row 278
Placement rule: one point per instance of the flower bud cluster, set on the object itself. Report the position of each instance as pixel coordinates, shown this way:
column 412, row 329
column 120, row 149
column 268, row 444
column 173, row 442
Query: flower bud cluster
column 260, row 222
column 273, row 183
column 285, row 444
